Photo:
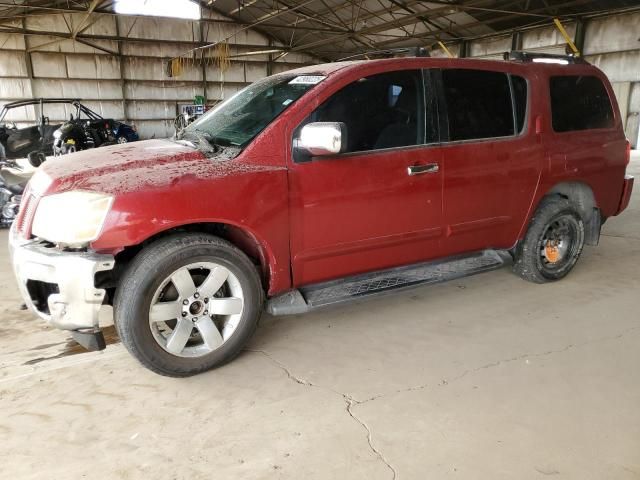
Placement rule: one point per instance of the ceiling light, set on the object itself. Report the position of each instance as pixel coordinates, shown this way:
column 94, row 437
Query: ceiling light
column 159, row 8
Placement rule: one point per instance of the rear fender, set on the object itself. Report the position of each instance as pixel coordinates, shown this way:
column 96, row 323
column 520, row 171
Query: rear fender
column 581, row 195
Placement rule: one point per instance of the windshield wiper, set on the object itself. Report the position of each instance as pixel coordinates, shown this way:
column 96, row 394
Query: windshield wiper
column 209, row 145
column 199, row 139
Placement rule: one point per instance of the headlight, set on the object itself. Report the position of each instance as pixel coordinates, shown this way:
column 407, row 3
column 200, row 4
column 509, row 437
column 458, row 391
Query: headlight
column 71, row 218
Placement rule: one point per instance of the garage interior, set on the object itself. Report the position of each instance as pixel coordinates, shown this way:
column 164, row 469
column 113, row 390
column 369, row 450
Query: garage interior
column 482, row 377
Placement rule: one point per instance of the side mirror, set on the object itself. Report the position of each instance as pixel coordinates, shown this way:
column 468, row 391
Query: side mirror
column 323, row 138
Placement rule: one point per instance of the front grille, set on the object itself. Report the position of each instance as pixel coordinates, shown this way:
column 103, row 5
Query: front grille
column 26, row 214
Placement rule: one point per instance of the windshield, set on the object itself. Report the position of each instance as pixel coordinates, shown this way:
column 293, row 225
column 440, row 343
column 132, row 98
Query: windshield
column 235, row 122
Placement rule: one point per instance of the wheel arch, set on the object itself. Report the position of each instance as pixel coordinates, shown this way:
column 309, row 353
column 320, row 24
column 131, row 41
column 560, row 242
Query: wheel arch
column 581, row 195
column 256, row 249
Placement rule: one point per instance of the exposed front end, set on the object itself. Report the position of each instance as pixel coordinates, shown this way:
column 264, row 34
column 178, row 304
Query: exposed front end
column 58, row 285
column 54, row 268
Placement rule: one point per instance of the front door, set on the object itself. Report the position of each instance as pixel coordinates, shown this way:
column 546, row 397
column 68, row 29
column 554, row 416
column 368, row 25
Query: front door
column 378, row 204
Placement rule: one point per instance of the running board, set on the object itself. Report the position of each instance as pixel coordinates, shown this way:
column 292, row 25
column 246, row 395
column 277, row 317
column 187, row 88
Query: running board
column 376, row 283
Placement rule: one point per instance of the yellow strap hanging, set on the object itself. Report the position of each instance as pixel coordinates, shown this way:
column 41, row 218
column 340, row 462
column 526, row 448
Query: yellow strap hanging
column 566, row 36
column 446, row 50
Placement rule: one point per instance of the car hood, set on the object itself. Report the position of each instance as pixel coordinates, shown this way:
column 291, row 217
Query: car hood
column 120, row 169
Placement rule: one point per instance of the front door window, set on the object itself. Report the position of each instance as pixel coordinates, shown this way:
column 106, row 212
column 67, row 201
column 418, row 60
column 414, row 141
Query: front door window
column 380, row 111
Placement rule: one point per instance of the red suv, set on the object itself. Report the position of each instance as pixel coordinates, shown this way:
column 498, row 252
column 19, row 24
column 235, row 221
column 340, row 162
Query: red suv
column 320, row 185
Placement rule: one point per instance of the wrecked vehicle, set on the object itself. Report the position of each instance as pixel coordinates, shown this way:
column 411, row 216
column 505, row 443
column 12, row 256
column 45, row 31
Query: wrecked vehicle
column 317, row 186
column 87, row 130
column 84, row 129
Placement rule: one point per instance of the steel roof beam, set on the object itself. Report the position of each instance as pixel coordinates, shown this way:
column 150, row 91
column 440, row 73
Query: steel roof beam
column 115, row 38
column 26, row 10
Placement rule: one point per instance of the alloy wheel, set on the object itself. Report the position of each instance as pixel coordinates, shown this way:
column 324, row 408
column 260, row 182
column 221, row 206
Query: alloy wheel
column 196, row 309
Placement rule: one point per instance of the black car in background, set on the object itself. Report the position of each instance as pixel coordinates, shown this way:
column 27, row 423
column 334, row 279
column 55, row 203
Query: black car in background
column 84, row 129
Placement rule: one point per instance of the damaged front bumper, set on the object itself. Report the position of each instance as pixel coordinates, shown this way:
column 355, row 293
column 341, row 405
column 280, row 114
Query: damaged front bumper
column 59, row 286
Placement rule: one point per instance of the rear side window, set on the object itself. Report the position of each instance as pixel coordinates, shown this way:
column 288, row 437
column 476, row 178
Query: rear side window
column 478, row 104
column 579, row 103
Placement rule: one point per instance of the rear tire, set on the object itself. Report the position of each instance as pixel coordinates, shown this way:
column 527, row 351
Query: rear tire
column 155, row 282
column 553, row 242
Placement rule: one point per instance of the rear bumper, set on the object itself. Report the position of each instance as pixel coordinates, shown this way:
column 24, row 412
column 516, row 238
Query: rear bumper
column 627, row 188
column 59, row 286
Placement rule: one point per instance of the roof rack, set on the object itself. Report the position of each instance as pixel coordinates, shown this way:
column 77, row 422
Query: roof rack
column 389, row 53
column 520, row 56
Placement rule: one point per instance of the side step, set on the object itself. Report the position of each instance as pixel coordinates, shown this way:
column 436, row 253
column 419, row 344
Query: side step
column 375, row 283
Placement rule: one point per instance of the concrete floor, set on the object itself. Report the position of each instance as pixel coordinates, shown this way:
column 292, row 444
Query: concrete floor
column 487, row 377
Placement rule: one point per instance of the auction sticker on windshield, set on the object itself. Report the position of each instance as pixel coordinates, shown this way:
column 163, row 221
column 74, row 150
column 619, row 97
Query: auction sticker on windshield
column 307, row 79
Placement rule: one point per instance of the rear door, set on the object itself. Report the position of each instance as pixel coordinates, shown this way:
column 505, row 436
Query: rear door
column 490, row 157
column 367, row 209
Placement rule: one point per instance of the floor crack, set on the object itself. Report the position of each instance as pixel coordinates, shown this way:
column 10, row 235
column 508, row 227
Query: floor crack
column 348, row 399
column 629, row 237
column 284, row 368
column 524, row 356
column 352, row 402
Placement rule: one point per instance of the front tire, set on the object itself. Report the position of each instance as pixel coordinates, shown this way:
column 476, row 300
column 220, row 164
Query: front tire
column 67, row 149
column 188, row 303
column 553, row 242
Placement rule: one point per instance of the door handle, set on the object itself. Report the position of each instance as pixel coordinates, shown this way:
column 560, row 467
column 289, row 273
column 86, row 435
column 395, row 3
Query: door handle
column 420, row 169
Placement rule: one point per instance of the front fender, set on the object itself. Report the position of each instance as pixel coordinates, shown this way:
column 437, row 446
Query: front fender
column 254, row 203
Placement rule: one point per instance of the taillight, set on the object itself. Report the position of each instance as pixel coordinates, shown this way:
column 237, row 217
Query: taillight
column 628, row 154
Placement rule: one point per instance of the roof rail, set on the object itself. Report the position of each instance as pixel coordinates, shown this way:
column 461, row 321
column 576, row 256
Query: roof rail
column 389, row 53
column 520, row 56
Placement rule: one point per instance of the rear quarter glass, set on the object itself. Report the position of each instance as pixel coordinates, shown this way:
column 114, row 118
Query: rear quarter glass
column 579, row 102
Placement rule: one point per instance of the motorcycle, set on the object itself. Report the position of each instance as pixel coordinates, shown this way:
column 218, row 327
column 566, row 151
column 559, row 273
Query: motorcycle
column 10, row 198
column 13, row 179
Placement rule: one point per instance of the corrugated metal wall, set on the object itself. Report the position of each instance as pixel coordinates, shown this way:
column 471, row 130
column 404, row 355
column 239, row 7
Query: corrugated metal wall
column 133, row 86
column 611, row 43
